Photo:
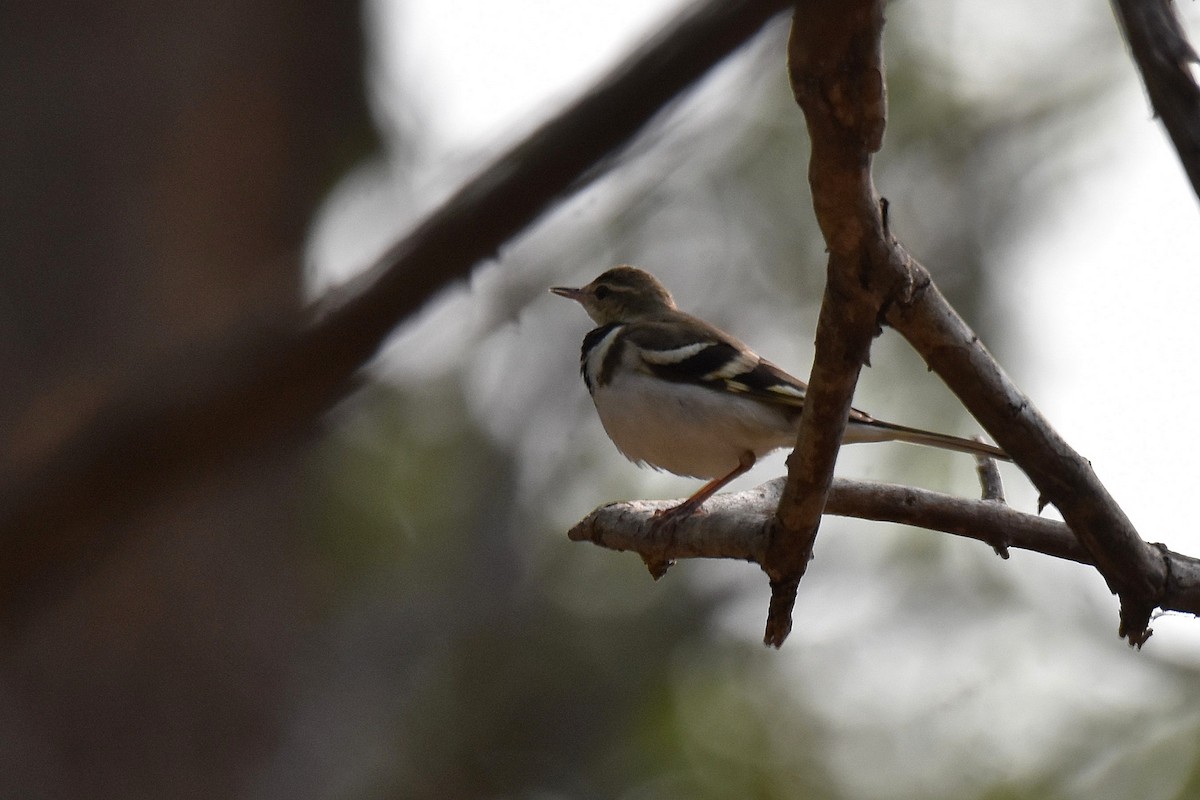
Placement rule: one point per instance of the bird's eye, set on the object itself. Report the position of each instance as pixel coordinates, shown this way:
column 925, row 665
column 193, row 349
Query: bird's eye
column 602, row 292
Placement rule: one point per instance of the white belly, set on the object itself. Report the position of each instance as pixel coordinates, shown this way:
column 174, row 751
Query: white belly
column 687, row 430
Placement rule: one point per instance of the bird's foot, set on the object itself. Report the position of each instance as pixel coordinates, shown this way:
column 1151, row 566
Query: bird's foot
column 663, row 524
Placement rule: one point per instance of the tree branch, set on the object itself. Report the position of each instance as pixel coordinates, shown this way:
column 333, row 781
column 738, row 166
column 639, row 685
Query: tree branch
column 1132, row 568
column 737, row 525
column 835, row 63
column 260, row 388
column 1163, row 55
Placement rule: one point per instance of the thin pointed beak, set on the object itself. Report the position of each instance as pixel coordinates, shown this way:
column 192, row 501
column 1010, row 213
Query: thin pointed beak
column 571, row 294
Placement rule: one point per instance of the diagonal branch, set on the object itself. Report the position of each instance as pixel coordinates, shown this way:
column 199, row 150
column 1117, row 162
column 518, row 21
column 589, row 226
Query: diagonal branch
column 1164, row 57
column 1132, row 568
column 254, row 390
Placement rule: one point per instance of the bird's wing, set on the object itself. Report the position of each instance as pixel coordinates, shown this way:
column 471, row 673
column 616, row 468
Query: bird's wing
column 698, row 353
column 701, row 354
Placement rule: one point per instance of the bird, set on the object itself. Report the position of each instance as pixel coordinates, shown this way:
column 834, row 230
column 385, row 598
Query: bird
column 678, row 394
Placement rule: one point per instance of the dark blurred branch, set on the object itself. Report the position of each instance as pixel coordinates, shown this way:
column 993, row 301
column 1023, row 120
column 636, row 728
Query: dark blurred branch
column 737, row 525
column 1164, row 57
column 259, row 389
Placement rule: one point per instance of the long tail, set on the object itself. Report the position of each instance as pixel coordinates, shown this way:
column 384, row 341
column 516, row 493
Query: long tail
column 879, row 431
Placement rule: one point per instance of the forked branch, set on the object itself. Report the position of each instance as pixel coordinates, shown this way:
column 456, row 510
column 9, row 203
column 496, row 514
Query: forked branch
column 836, row 68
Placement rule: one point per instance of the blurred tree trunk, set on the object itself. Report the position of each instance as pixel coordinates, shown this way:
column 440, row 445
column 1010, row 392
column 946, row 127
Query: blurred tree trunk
column 160, row 163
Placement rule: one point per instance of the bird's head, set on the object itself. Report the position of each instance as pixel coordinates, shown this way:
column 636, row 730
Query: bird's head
column 622, row 294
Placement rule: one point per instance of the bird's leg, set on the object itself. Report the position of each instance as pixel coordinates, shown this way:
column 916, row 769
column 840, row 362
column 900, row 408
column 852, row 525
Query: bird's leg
column 672, row 516
column 666, row 519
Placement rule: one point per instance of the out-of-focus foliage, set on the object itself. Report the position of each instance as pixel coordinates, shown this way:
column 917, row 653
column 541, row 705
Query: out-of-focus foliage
column 457, row 660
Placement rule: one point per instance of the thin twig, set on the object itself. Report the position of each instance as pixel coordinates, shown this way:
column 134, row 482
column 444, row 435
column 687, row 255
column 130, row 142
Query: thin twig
column 992, row 487
column 990, row 483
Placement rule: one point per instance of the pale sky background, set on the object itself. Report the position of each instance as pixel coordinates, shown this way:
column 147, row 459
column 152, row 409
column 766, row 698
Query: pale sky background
column 1108, row 357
